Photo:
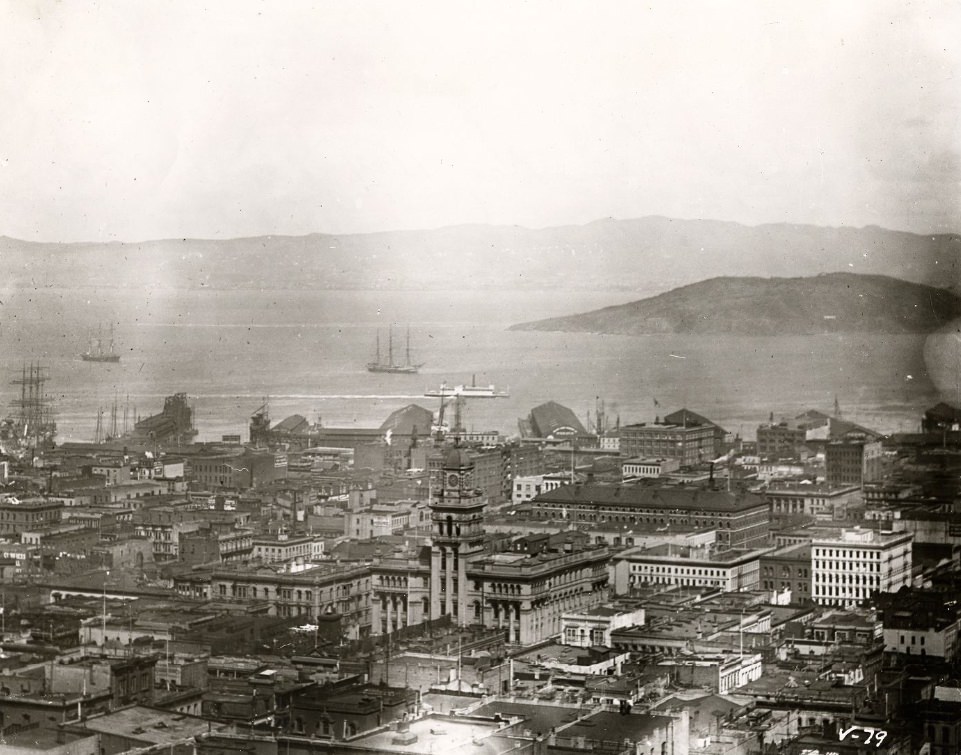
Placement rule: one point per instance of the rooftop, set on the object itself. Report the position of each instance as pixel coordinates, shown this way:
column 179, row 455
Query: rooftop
column 151, row 725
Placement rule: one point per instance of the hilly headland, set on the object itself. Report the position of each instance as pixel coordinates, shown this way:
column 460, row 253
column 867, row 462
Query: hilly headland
column 826, row 303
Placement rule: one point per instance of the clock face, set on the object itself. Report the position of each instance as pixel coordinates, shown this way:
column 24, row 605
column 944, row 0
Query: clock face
column 453, row 480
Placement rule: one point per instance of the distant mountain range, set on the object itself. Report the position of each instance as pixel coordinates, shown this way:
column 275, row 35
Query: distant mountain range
column 827, row 303
column 643, row 255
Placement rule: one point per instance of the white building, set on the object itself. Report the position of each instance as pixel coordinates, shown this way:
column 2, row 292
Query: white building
column 824, row 502
column 593, row 627
column 673, row 565
column 645, row 468
column 526, row 488
column 283, row 548
column 846, row 569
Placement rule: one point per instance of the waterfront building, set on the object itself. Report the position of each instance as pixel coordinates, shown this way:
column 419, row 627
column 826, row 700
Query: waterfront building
column 689, row 445
column 687, row 418
column 552, row 421
column 849, row 567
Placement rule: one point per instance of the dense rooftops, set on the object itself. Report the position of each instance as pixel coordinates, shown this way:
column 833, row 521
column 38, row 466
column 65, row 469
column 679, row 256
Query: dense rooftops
column 659, row 497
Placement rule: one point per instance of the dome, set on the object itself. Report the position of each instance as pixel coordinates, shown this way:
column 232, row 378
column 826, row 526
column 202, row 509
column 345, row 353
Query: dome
column 457, row 458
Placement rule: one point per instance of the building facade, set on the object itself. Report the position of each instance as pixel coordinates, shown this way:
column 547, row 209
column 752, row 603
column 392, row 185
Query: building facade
column 848, row 568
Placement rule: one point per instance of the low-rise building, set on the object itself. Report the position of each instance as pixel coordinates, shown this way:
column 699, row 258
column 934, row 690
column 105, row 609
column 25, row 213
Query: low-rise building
column 668, row 564
column 632, row 469
column 593, row 627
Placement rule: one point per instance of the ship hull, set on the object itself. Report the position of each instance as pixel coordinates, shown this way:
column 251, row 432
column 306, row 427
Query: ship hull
column 399, row 369
column 100, row 358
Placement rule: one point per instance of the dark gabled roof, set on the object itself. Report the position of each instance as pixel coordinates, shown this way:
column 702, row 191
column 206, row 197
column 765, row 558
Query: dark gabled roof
column 293, row 424
column 944, row 412
column 689, row 418
column 549, row 418
column 667, row 498
column 411, row 417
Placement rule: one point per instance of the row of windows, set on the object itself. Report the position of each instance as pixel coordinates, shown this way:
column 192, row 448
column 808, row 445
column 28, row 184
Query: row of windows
column 849, row 553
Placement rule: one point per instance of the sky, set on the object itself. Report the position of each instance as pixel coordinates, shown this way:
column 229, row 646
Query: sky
column 132, row 121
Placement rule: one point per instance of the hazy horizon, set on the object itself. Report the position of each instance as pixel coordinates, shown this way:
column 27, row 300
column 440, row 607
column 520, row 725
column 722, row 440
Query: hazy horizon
column 455, row 226
column 168, row 120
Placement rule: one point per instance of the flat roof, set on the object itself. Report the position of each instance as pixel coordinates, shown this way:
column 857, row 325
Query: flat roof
column 437, row 733
column 151, row 724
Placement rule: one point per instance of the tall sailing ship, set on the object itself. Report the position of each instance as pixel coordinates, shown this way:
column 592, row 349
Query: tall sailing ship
column 408, row 367
column 98, row 353
column 32, row 425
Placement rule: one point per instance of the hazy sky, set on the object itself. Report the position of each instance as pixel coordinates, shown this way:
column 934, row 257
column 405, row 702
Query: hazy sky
column 129, row 121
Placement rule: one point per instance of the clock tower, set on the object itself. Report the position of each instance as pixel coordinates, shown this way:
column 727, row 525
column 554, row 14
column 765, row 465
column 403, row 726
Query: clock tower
column 457, row 516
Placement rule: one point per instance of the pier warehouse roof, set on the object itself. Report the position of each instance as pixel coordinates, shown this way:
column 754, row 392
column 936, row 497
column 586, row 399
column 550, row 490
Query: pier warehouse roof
column 553, row 420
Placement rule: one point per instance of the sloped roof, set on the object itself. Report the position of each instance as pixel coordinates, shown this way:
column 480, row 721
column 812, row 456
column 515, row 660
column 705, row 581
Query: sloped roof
column 405, row 420
column 944, row 412
column 547, row 419
column 292, row 424
column 689, row 418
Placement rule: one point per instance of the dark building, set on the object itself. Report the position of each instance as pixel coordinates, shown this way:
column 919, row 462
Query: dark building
column 741, row 519
column 689, row 445
column 551, row 420
column 940, row 418
column 852, row 461
column 788, row 569
column 173, row 426
column 343, row 709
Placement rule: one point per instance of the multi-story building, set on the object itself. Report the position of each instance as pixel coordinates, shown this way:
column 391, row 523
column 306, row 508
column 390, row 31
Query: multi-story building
column 644, row 468
column 30, row 514
column 163, row 526
column 670, row 565
column 527, row 593
column 740, row 518
column 401, row 591
column 847, row 568
column 818, row 501
column 113, row 471
column 920, row 623
column 689, row 445
column 321, row 590
column 852, row 461
column 788, row 569
column 592, row 628
column 528, row 488
column 282, row 548
column 377, row 521
column 781, row 440
column 211, row 545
